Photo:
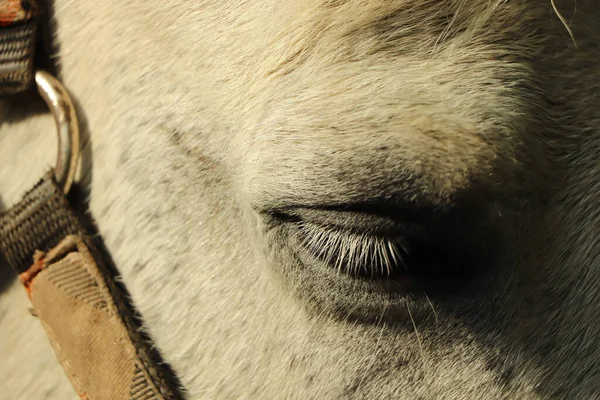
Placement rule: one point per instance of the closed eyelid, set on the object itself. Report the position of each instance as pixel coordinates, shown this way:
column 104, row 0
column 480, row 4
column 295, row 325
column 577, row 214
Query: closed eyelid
column 352, row 252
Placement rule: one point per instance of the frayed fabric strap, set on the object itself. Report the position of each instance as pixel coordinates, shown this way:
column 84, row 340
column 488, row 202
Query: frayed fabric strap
column 17, row 45
column 93, row 329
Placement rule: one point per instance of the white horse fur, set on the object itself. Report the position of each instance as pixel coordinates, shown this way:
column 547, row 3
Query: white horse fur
column 202, row 118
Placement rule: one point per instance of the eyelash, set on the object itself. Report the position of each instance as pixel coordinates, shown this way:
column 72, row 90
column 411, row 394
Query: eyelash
column 353, row 252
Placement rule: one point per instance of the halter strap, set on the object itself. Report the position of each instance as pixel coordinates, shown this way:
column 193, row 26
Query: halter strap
column 17, row 45
column 69, row 277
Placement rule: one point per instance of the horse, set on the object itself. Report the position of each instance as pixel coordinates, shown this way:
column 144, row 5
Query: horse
column 333, row 199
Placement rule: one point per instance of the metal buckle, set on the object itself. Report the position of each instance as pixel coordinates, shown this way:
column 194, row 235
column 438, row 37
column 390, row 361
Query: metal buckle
column 67, row 127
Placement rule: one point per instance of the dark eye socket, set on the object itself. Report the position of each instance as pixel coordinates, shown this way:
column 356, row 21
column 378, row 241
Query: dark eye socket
column 374, row 245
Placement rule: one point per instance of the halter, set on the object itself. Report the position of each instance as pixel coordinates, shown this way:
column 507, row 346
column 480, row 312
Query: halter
column 61, row 262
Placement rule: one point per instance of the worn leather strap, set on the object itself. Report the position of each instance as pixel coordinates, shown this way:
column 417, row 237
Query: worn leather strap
column 17, row 45
column 72, row 298
column 46, row 242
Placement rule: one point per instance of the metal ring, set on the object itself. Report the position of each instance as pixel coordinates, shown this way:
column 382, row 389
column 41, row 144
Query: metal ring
column 60, row 104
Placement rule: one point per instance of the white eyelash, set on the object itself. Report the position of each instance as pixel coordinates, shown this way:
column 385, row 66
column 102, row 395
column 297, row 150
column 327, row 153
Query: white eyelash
column 353, row 252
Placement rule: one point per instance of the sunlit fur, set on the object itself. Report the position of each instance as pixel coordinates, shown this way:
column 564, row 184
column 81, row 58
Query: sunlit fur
column 201, row 116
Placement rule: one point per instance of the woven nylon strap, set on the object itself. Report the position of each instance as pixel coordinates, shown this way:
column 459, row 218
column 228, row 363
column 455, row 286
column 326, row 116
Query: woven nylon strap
column 91, row 325
column 39, row 222
column 17, row 45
